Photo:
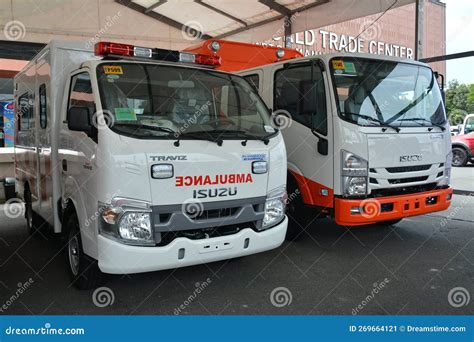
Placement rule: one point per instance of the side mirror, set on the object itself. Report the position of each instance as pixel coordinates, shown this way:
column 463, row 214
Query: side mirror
column 78, row 119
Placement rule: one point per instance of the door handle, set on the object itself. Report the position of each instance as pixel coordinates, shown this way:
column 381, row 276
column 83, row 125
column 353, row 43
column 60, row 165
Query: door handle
column 64, row 165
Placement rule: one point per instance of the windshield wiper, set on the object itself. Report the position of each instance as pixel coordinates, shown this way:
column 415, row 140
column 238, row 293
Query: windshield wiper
column 152, row 128
column 246, row 135
column 426, row 120
column 370, row 118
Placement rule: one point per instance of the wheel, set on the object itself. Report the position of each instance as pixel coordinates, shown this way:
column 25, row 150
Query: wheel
column 33, row 221
column 83, row 270
column 298, row 216
column 459, row 156
column 388, row 223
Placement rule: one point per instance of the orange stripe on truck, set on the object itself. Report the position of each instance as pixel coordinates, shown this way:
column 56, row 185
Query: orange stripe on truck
column 314, row 193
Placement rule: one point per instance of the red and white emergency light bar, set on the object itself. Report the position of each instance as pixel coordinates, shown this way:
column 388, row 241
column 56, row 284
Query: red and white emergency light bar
column 106, row 49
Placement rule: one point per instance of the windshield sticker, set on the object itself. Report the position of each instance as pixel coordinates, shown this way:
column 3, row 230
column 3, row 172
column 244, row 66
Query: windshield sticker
column 349, row 67
column 125, row 114
column 113, row 69
column 338, row 64
column 254, row 157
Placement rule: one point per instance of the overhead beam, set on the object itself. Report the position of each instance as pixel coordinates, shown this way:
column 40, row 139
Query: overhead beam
column 275, row 6
column 155, row 5
column 267, row 21
column 164, row 19
column 221, row 12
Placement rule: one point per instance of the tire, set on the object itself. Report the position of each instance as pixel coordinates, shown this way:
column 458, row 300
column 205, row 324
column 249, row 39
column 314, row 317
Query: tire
column 460, row 157
column 388, row 223
column 33, row 221
column 298, row 216
column 83, row 270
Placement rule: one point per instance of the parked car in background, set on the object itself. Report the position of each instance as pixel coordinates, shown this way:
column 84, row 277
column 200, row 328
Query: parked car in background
column 463, row 149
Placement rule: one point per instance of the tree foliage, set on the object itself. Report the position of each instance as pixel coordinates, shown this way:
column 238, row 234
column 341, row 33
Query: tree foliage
column 459, row 101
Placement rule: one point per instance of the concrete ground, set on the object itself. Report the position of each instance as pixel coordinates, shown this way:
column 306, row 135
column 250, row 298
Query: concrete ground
column 424, row 266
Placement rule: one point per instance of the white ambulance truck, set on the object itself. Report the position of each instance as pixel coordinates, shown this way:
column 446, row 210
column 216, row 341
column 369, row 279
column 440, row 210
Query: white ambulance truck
column 146, row 159
column 367, row 137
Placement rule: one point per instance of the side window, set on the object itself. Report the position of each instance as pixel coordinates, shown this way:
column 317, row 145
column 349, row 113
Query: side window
column 80, row 94
column 254, row 80
column 24, row 112
column 42, row 106
column 300, row 91
column 469, row 125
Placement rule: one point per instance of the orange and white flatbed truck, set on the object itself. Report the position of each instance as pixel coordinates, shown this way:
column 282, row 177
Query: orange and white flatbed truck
column 367, row 136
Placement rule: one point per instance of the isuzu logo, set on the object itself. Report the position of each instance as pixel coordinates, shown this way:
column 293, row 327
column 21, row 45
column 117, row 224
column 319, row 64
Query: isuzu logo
column 411, row 158
column 220, row 192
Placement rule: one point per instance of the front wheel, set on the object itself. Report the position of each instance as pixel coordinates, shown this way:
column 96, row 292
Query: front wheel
column 298, row 217
column 83, row 270
column 33, row 221
column 459, row 156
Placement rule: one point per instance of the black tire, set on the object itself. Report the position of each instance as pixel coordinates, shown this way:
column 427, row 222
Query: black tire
column 83, row 270
column 33, row 221
column 460, row 157
column 298, row 216
column 388, row 223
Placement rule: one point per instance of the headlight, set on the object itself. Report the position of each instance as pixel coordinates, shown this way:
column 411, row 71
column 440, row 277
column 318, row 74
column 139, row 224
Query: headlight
column 274, row 207
column 354, row 174
column 127, row 220
column 447, row 169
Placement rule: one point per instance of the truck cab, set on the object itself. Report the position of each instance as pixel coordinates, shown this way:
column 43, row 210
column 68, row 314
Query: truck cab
column 146, row 159
column 367, row 137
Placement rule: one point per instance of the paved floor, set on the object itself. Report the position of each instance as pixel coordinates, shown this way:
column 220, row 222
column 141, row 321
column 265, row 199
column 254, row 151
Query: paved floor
column 424, row 265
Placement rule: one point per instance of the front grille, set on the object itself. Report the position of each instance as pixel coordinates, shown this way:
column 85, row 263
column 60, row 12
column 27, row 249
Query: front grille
column 408, row 180
column 400, row 169
column 212, row 213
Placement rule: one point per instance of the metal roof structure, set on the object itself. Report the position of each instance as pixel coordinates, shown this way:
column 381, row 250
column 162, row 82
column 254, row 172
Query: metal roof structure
column 225, row 19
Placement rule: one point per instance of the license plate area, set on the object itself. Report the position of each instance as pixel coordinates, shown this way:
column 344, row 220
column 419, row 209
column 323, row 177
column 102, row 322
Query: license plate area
column 215, row 247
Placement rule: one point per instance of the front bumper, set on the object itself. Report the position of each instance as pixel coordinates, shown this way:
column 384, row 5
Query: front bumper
column 390, row 208
column 117, row 258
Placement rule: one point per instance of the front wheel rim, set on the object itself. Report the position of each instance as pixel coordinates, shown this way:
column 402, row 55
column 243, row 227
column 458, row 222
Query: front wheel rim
column 73, row 251
column 457, row 158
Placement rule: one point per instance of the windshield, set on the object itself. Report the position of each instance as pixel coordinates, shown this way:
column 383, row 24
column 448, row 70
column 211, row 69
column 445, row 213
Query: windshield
column 375, row 93
column 157, row 101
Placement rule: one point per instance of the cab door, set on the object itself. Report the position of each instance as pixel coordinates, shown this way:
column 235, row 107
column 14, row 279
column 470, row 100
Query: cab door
column 300, row 107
